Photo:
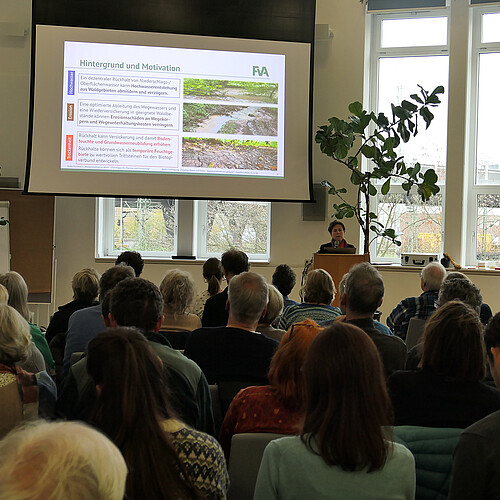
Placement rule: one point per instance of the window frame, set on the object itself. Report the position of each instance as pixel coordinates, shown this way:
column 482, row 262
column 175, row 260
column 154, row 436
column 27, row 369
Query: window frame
column 474, row 189
column 189, row 214
column 374, row 54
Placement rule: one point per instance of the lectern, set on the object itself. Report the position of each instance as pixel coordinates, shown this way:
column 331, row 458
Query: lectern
column 337, row 265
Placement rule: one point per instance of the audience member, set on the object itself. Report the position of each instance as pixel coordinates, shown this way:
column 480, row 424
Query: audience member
column 454, row 288
column 447, row 391
column 485, row 312
column 138, row 302
column 363, row 294
column 85, row 323
column 420, row 307
column 273, row 311
column 342, row 451
column 85, row 285
column 178, row 289
column 284, row 280
column 476, row 460
column 22, row 397
column 60, row 461
column 4, row 295
column 379, row 326
column 132, row 259
column 276, row 407
column 215, row 313
column 166, row 458
column 319, row 292
column 18, row 299
column 236, row 351
column 212, row 274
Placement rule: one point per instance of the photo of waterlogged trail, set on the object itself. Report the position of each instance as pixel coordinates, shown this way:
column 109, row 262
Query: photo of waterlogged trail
column 228, row 90
column 229, row 154
column 228, row 119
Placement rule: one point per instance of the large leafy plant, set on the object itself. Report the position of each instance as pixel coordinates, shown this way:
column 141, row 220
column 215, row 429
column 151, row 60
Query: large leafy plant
column 376, row 138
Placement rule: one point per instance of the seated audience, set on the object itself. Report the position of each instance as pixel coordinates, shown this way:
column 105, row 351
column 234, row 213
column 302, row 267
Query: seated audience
column 420, row 307
column 215, row 313
column 363, row 295
column 85, row 285
column 379, row 326
column 60, row 461
column 133, row 259
column 236, row 351
column 319, row 292
column 23, row 395
column 138, row 302
column 18, row 299
column 342, row 451
column 273, row 311
column 85, row 323
column 177, row 289
column 284, row 280
column 447, row 391
column 276, row 407
column 166, row 458
column 213, row 275
column 453, row 288
column 4, row 295
column 476, row 460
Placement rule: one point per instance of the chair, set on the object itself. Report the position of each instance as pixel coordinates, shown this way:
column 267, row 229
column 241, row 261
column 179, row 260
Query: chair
column 177, row 339
column 414, row 333
column 244, row 463
column 216, row 408
column 229, row 388
column 75, row 357
column 432, row 449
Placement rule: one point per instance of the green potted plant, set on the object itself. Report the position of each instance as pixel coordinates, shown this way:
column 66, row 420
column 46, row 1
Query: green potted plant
column 376, row 138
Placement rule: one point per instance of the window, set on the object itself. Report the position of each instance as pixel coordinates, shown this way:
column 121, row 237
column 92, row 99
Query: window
column 484, row 183
column 153, row 227
column 409, row 50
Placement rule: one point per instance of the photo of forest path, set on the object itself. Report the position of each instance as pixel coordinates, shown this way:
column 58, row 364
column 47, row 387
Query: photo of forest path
column 229, row 154
column 225, row 119
column 228, row 90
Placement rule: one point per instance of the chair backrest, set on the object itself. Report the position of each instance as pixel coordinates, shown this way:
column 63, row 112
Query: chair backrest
column 433, row 452
column 177, row 339
column 216, row 408
column 244, row 463
column 229, row 388
column 75, row 357
column 414, row 333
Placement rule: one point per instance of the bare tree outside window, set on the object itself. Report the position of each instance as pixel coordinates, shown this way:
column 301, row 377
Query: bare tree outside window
column 144, row 224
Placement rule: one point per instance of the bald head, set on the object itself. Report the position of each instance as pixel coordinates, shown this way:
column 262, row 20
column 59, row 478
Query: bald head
column 432, row 277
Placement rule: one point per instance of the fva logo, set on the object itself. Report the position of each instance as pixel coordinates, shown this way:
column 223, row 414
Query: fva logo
column 260, row 71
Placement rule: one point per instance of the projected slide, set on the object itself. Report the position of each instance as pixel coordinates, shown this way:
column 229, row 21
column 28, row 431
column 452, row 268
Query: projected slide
column 130, row 108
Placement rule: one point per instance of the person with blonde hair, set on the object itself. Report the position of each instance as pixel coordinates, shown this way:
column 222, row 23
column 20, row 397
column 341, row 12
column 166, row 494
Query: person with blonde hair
column 177, row 289
column 85, row 285
column 319, row 292
column 18, row 299
column 4, row 295
column 58, row 461
column 19, row 391
column 276, row 407
column 273, row 311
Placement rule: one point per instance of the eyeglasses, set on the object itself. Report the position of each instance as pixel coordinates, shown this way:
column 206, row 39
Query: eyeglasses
column 300, row 324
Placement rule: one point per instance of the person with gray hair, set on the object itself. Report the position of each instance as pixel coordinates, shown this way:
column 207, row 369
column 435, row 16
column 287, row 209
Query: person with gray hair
column 60, row 460
column 421, row 307
column 84, row 324
column 460, row 289
column 363, row 294
column 236, row 351
column 273, row 311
